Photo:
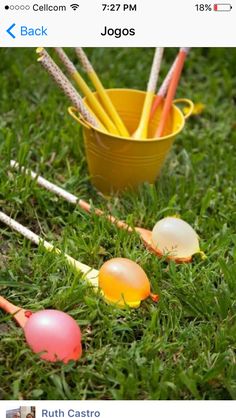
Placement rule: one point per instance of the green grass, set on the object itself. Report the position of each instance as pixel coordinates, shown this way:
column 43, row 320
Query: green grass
column 182, row 348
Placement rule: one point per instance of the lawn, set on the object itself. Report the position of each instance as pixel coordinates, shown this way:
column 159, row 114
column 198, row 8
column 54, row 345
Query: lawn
column 182, row 348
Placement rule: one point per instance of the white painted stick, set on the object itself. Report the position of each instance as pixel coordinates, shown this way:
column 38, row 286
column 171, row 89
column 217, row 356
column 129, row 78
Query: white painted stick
column 46, row 184
column 61, row 80
column 86, row 64
column 165, row 84
column 70, row 67
column 69, row 197
column 91, row 275
column 155, row 70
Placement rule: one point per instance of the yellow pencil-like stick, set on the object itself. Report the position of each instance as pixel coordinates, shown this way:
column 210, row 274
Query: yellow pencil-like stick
column 94, row 103
column 107, row 103
column 61, row 80
column 142, row 130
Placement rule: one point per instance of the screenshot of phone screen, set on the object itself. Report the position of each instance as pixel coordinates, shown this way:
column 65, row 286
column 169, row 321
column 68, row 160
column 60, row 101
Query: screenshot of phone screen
column 117, row 208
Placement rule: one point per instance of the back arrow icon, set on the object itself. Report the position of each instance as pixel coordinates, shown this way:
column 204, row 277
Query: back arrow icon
column 9, row 31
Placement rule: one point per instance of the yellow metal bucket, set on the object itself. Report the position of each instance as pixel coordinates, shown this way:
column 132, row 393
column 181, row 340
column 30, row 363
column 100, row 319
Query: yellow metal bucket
column 117, row 163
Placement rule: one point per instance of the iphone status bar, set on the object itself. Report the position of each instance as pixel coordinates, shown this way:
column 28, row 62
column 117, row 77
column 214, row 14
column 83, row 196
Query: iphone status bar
column 121, row 23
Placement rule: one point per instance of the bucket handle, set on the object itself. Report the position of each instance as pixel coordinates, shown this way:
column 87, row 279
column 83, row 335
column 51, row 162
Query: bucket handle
column 73, row 112
column 78, row 118
column 187, row 102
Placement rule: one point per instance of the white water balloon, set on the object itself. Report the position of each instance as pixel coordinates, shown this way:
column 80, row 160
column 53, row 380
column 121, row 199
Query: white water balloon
column 175, row 237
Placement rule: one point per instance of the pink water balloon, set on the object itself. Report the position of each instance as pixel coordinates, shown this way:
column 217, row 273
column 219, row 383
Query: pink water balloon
column 55, row 335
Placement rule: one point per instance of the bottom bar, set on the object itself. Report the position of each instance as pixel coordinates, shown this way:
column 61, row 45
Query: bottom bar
column 116, row 409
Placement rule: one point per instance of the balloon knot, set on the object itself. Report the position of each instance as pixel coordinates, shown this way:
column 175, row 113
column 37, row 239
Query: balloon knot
column 203, row 255
column 28, row 314
column 154, row 297
column 176, row 215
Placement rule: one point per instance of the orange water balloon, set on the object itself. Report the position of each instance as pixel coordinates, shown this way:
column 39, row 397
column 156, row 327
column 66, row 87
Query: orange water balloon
column 124, row 282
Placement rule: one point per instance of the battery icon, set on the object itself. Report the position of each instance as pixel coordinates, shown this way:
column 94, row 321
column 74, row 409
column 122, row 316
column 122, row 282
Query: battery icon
column 222, row 7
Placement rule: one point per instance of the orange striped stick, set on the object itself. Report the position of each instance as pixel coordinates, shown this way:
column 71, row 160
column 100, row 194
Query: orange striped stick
column 163, row 89
column 172, row 90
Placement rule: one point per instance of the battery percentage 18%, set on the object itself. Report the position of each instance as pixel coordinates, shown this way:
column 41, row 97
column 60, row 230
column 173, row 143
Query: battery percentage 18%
column 203, row 7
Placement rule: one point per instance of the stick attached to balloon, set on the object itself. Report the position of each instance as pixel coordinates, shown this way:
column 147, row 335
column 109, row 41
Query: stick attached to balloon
column 107, row 103
column 93, row 101
column 20, row 315
column 172, row 91
column 60, row 79
column 67, row 196
column 43, row 332
column 121, row 281
column 166, row 240
column 142, row 130
column 91, row 275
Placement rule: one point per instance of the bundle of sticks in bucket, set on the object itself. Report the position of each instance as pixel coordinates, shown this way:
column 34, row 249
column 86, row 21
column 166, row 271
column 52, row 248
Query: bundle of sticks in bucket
column 99, row 110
